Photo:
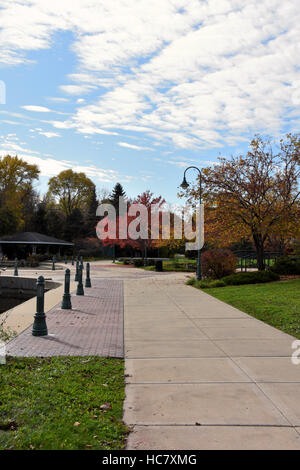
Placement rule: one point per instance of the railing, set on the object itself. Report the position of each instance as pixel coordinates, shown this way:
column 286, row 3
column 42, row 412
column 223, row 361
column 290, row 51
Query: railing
column 248, row 260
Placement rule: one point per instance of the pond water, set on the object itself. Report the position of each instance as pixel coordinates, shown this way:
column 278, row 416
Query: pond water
column 10, row 301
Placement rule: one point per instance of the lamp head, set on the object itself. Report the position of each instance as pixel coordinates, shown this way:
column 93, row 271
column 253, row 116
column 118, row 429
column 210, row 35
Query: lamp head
column 184, row 184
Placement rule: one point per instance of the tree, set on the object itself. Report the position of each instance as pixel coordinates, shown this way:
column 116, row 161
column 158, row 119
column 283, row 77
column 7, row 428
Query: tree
column 55, row 223
column 16, row 186
column 39, row 221
column 8, row 221
column 147, row 200
column 74, row 190
column 91, row 219
column 117, row 192
column 74, row 225
column 256, row 195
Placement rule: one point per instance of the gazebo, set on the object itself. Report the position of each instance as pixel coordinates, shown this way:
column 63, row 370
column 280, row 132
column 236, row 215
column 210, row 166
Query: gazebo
column 33, row 240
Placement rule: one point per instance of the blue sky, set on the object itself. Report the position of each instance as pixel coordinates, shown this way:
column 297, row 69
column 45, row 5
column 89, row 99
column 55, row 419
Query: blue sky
column 134, row 91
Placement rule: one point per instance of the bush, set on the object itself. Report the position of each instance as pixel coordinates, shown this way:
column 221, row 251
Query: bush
column 209, row 284
column 218, row 263
column 206, row 283
column 286, row 265
column 254, row 277
column 150, row 262
column 191, row 281
column 33, row 261
column 138, row 263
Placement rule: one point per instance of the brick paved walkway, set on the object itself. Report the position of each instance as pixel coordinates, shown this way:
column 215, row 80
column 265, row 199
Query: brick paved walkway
column 93, row 327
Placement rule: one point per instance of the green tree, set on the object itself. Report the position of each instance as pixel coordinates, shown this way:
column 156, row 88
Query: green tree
column 74, row 225
column 8, row 221
column 91, row 219
column 116, row 193
column 39, row 221
column 73, row 190
column 16, row 186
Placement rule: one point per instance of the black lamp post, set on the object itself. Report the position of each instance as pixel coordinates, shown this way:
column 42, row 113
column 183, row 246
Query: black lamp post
column 185, row 185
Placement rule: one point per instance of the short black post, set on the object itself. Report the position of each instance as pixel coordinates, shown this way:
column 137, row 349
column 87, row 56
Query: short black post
column 88, row 279
column 16, row 272
column 80, row 290
column 77, row 270
column 81, row 263
column 66, row 302
column 53, row 263
column 66, row 260
column 72, row 260
column 39, row 325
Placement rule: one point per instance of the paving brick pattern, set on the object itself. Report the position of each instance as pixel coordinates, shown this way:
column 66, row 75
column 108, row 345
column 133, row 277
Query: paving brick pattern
column 93, row 327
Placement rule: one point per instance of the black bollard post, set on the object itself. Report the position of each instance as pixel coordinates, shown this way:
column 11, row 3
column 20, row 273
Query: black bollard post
column 53, row 263
column 39, row 325
column 66, row 260
column 88, row 279
column 72, row 260
column 77, row 270
column 16, row 272
column 81, row 263
column 66, row 302
column 80, row 290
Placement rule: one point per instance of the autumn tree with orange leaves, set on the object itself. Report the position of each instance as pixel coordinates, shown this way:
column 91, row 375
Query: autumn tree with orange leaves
column 141, row 244
column 254, row 196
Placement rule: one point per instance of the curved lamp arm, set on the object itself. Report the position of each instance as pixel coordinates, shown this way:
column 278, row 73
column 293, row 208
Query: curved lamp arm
column 185, row 184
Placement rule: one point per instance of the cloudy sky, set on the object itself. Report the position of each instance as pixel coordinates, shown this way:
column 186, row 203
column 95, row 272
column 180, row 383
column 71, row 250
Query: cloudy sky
column 136, row 90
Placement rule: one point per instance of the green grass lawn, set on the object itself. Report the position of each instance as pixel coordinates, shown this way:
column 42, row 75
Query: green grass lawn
column 179, row 264
column 62, row 403
column 276, row 303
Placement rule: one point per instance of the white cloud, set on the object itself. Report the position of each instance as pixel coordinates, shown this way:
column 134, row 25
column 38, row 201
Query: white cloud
column 49, row 135
column 189, row 72
column 50, row 166
column 37, row 109
column 58, row 99
column 132, row 146
column 76, row 89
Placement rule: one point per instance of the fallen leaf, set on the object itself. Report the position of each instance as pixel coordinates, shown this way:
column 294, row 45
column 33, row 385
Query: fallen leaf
column 105, row 406
column 76, row 423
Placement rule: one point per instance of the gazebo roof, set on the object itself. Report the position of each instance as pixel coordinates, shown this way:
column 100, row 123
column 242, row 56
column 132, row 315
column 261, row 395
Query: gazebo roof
column 32, row 238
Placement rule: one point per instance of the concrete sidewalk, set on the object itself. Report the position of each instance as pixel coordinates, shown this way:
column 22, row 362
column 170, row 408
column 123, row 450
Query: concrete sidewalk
column 204, row 375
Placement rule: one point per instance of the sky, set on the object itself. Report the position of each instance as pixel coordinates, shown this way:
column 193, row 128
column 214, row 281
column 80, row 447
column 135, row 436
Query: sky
column 134, row 91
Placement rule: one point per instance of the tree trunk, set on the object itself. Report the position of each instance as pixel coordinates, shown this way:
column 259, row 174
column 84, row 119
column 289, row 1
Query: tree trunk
column 260, row 251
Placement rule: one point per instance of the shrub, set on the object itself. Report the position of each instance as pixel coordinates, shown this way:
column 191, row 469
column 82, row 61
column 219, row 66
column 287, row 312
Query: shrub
column 191, row 281
column 286, row 265
column 254, row 277
column 218, row 263
column 150, row 262
column 138, row 263
column 33, row 261
column 210, row 283
column 206, row 283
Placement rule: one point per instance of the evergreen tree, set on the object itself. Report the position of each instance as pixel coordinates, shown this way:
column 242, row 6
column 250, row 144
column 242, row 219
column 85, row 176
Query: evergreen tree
column 117, row 192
